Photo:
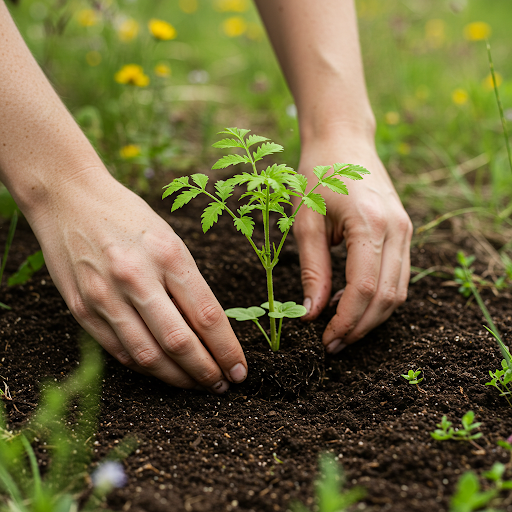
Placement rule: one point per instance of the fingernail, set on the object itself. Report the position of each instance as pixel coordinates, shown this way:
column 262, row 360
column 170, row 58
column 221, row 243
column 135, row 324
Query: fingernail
column 307, row 304
column 238, row 372
column 220, row 387
column 335, row 346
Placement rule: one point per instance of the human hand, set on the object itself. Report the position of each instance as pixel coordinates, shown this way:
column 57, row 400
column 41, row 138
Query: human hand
column 116, row 264
column 377, row 231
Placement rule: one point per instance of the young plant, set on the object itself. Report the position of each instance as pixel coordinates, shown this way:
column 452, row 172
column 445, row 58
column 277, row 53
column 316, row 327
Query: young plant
column 412, row 376
column 8, row 243
column 445, row 431
column 267, row 191
column 329, row 496
column 468, row 495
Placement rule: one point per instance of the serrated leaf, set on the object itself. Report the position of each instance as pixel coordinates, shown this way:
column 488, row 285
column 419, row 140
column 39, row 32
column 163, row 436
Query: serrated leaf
column 245, row 209
column 228, row 160
column 245, row 225
column 298, row 182
column 316, row 203
column 227, row 143
column 276, row 207
column 237, row 132
column 255, row 139
column 175, row 185
column 200, row 180
column 285, row 223
column 184, row 198
column 321, row 170
column 210, row 215
column 335, row 185
column 243, row 314
column 268, row 148
column 351, row 167
column 349, row 174
column 224, row 189
column 255, row 181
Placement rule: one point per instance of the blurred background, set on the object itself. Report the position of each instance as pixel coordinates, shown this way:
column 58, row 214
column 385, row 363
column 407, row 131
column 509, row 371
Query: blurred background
column 152, row 82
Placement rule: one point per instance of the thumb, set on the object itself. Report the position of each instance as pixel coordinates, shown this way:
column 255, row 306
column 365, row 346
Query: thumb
column 315, row 261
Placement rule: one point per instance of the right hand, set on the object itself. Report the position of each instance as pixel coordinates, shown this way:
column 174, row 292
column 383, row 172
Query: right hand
column 117, row 264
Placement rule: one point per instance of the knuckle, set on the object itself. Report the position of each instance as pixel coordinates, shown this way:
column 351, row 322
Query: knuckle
column 388, row 297
column 209, row 376
column 311, row 275
column 377, row 219
column 146, row 358
column 177, row 341
column 79, row 309
column 367, row 287
column 124, row 358
column 401, row 297
column 171, row 253
column 209, row 316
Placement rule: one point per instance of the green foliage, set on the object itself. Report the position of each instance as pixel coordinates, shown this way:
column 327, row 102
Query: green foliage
column 412, row 376
column 268, row 190
column 329, row 494
column 27, row 269
column 445, row 431
column 468, row 496
column 8, row 243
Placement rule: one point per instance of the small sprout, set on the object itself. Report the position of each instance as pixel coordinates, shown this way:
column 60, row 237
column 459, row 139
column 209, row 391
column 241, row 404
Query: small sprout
column 109, row 475
column 445, row 431
column 279, row 461
column 412, row 376
column 468, row 495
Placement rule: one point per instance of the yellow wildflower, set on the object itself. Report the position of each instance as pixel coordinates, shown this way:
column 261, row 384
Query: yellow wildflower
column 234, row 26
column 161, row 30
column 132, row 74
column 87, row 17
column 392, row 117
column 128, row 30
column 162, row 70
column 404, row 148
column 460, row 96
column 129, row 151
column 231, row 5
column 93, row 58
column 477, row 31
column 188, row 6
column 488, row 81
column 435, row 33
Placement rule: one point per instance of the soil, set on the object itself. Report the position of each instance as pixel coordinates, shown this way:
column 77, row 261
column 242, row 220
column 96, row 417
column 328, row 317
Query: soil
column 256, row 447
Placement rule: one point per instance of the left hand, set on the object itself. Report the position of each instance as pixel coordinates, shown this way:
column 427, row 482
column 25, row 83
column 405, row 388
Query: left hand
column 377, row 231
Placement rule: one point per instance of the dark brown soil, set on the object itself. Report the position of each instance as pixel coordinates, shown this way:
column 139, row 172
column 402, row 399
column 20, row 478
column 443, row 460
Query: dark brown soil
column 256, row 448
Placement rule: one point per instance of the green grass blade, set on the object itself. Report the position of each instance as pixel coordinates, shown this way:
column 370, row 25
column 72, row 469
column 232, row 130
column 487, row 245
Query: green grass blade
column 35, row 469
column 8, row 242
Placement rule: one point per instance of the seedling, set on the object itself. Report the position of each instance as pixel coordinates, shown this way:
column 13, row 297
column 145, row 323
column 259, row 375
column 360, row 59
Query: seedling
column 412, row 376
column 468, row 496
column 445, row 431
column 267, row 191
column 508, row 446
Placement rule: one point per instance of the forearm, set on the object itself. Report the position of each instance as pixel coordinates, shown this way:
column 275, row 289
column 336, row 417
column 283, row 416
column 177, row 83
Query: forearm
column 41, row 146
column 317, row 45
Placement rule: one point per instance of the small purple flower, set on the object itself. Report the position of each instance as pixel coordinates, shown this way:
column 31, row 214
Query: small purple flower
column 109, row 474
column 509, row 439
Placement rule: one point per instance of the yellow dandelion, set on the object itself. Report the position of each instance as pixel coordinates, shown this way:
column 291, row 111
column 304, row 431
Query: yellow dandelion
column 234, row 26
column 488, row 82
column 93, row 58
column 188, row 6
column 392, row 117
column 477, row 31
column 128, row 30
column 162, row 70
column 161, row 30
column 460, row 96
column 87, row 17
column 435, row 33
column 132, row 74
column 404, row 148
column 129, row 151
column 231, row 5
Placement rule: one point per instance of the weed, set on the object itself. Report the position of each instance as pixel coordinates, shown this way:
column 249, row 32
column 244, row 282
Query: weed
column 445, row 431
column 267, row 191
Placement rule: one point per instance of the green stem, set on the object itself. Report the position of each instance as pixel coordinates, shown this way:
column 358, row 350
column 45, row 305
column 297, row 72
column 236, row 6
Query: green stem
column 279, row 332
column 263, row 331
column 268, row 267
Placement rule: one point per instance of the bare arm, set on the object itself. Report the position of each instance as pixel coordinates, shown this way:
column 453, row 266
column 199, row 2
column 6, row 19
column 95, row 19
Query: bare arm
column 317, row 45
column 114, row 260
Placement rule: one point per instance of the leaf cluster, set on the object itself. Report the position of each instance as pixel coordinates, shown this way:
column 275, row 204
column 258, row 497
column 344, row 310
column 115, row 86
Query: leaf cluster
column 412, row 376
column 445, row 431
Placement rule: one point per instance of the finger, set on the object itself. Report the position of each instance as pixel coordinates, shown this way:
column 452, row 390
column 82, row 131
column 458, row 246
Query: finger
column 206, row 316
column 315, row 261
column 364, row 257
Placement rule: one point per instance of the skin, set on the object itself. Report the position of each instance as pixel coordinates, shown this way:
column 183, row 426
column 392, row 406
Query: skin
column 117, row 263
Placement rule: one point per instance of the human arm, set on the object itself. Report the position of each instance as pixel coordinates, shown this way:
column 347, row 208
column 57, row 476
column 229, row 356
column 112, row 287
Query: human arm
column 113, row 259
column 317, row 45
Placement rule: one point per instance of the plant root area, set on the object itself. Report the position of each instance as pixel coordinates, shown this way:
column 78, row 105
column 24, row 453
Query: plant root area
column 256, row 447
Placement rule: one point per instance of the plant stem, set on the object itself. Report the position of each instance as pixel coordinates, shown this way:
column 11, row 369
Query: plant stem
column 263, row 331
column 268, row 267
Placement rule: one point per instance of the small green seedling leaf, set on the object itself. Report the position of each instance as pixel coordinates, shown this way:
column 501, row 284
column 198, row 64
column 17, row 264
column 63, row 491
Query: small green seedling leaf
column 268, row 148
column 254, row 139
column 184, row 198
column 412, row 376
column 245, row 225
column 321, row 170
column 27, row 269
column 446, row 431
column 468, row 496
column 175, row 185
column 200, row 180
column 315, row 202
column 335, row 185
column 228, row 160
column 227, row 143
column 243, row 314
column 224, row 189
column 210, row 215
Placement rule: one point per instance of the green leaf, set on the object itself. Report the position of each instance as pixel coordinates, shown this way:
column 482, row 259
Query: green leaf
column 245, row 225
column 237, row 132
column 200, row 180
column 175, row 185
column 321, row 170
column 255, row 139
column 224, row 189
column 210, row 215
column 228, row 160
column 467, row 419
column 184, row 198
column 243, row 314
column 268, row 148
column 285, row 223
column 27, row 269
column 299, row 183
column 245, row 209
column 350, row 174
column 293, row 310
column 335, row 185
column 350, row 167
column 277, row 304
column 228, row 143
column 315, row 202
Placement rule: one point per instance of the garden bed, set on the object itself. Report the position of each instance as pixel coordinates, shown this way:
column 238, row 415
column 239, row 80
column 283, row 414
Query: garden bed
column 256, row 447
